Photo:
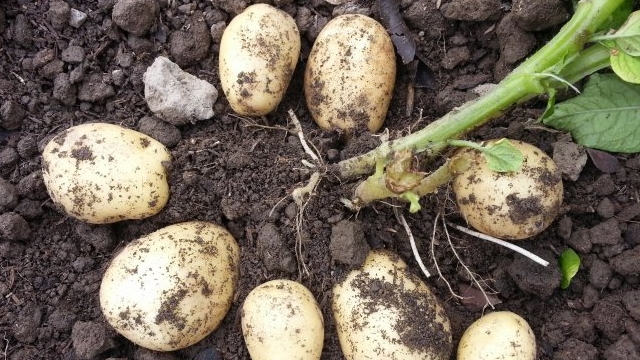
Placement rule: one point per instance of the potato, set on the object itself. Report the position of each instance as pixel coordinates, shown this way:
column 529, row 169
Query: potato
column 103, row 173
column 171, row 288
column 258, row 54
column 281, row 320
column 513, row 205
column 350, row 74
column 498, row 335
column 383, row 311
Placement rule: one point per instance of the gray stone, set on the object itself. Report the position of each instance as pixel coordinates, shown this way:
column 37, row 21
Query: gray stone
column 177, row 96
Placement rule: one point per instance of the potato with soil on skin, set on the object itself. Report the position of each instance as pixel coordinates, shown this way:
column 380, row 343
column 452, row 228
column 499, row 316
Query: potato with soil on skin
column 171, row 288
column 510, row 205
column 281, row 320
column 259, row 51
column 383, row 311
column 498, row 335
column 350, row 74
column 103, row 173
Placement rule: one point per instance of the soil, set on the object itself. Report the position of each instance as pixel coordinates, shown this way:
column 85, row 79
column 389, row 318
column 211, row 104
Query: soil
column 57, row 70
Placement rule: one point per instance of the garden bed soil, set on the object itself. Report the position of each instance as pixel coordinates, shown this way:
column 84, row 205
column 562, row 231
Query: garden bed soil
column 238, row 172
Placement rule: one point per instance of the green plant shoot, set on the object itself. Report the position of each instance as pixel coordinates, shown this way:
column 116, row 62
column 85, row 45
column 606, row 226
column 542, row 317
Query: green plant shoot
column 569, row 264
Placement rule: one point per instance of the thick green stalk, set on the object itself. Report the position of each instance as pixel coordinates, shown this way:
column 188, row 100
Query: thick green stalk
column 522, row 84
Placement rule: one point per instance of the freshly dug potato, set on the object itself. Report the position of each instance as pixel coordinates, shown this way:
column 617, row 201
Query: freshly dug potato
column 258, row 54
column 511, row 205
column 383, row 311
column 350, row 74
column 102, row 173
column 498, row 335
column 281, row 320
column 171, row 288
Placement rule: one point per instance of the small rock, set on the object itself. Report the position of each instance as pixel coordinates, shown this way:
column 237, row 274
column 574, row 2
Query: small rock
column 580, row 240
column 94, row 88
column 64, row 91
column 606, row 233
column 604, row 185
column 166, row 133
column 77, row 18
column 76, row 75
column 140, row 45
column 100, row 237
column 564, row 227
column 26, row 326
column 73, row 54
column 82, row 264
column 124, row 59
column 233, row 209
column 52, row 69
column 27, row 147
column 606, row 209
column 91, row 339
column 62, row 320
column 600, row 274
column 533, row 278
column 42, row 58
column 631, row 301
column 191, row 43
column 118, row 77
column 515, row 43
column 32, row 186
column 276, row 256
column 456, row 56
column 58, row 14
column 608, row 317
column 217, row 30
column 623, row 349
column 8, row 196
column 538, row 15
column 21, row 30
column 11, row 115
column 570, row 159
column 29, row 209
column 348, row 245
column 8, row 157
column 479, row 10
column 627, row 263
column 177, row 96
column 135, row 16
column 14, row 227
column 573, row 349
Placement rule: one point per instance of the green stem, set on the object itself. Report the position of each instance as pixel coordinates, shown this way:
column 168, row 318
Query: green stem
column 517, row 87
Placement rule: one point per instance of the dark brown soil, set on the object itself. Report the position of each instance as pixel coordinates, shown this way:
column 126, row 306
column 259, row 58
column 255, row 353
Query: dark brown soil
column 236, row 172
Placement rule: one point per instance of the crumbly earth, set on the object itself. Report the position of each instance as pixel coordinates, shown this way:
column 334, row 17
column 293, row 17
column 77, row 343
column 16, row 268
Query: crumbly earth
column 238, row 172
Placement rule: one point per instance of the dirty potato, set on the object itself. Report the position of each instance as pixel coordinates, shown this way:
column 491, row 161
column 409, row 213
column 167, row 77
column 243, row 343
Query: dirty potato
column 350, row 74
column 281, row 320
column 259, row 50
column 383, row 311
column 102, row 173
column 498, row 335
column 510, row 205
column 171, row 288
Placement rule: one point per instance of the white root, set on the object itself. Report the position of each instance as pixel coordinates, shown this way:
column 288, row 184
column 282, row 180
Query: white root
column 506, row 244
column 471, row 275
column 298, row 129
column 435, row 262
column 414, row 248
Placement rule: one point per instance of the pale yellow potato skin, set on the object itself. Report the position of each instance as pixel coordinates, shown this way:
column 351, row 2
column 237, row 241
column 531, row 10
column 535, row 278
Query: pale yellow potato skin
column 510, row 206
column 281, row 320
column 171, row 288
column 259, row 51
column 103, row 173
column 499, row 335
column 350, row 74
column 383, row 311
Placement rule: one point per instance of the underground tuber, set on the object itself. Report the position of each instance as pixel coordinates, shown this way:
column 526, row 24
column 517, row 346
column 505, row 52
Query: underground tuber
column 509, row 204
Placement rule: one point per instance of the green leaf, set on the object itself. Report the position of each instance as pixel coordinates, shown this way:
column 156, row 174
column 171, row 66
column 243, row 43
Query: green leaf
column 605, row 116
column 626, row 66
column 502, row 156
column 569, row 264
column 626, row 38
